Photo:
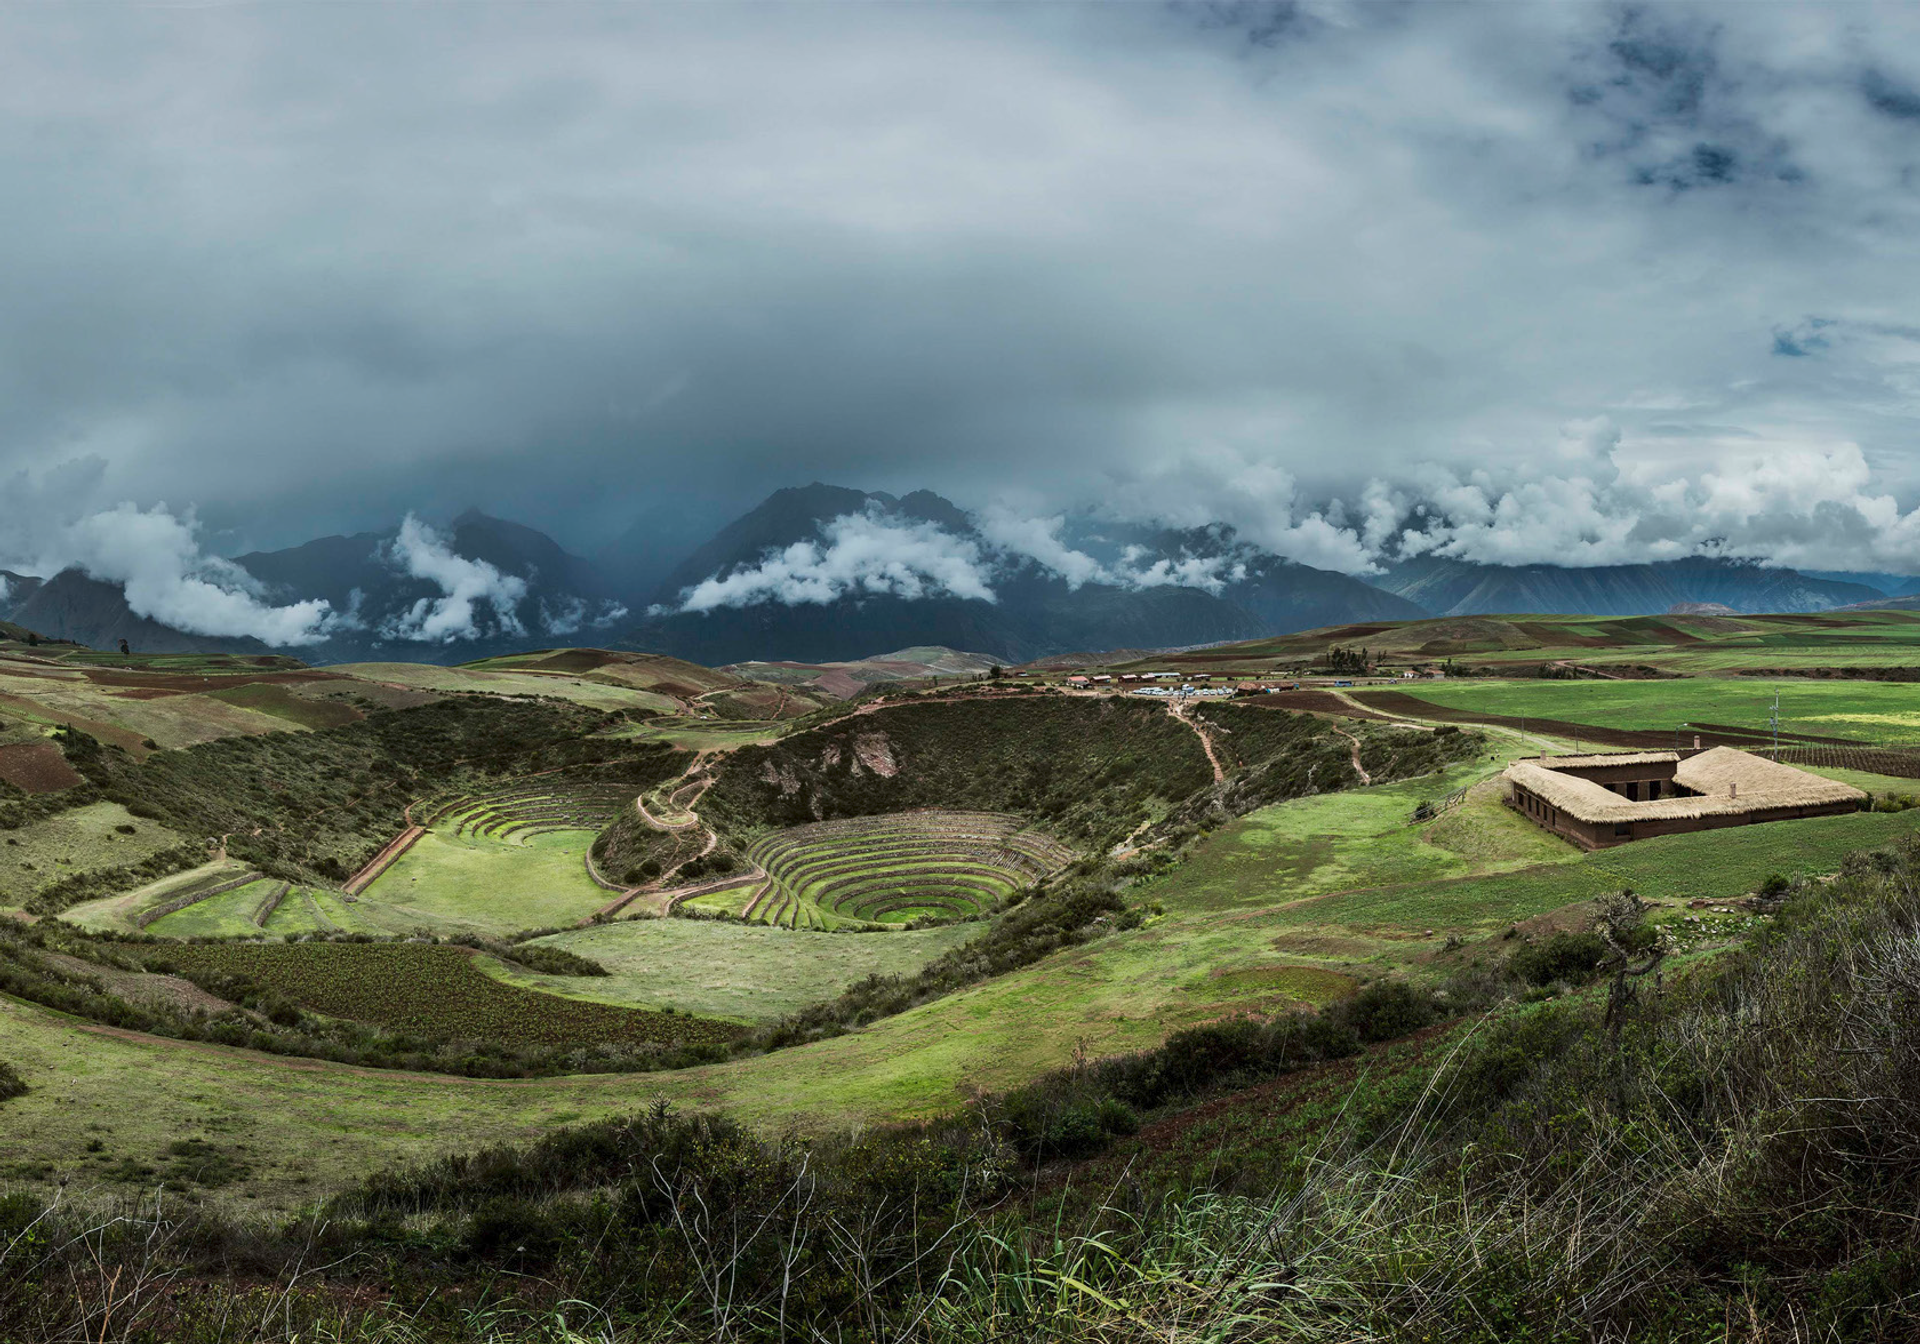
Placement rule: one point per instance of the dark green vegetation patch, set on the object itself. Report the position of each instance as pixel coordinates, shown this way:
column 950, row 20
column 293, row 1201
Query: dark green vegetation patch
column 431, row 991
column 1085, row 769
column 318, row 805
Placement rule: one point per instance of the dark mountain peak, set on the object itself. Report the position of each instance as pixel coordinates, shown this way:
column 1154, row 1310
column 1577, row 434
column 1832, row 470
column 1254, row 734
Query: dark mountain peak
column 514, row 548
column 15, row 589
column 73, row 605
column 792, row 513
column 926, row 507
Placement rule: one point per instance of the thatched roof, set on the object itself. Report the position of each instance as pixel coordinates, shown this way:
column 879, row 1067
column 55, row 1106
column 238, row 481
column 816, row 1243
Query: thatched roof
column 1728, row 782
column 1593, row 760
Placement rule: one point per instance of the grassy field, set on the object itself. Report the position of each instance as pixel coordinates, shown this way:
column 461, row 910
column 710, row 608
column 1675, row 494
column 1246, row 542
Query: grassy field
column 747, row 973
column 1869, row 712
column 474, row 884
column 1291, row 903
column 100, row 835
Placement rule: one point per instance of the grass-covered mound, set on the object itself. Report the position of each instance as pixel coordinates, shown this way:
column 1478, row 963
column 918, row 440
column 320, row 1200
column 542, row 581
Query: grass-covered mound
column 1086, row 769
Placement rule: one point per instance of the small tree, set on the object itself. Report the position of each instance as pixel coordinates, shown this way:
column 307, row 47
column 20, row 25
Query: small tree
column 1634, row 950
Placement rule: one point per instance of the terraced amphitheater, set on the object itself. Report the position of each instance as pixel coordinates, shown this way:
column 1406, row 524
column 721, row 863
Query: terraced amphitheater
column 885, row 870
column 515, row 812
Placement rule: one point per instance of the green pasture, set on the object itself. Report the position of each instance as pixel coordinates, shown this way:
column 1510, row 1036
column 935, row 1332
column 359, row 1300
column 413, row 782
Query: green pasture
column 1858, row 711
column 228, row 915
column 80, row 840
column 473, row 884
column 743, row 972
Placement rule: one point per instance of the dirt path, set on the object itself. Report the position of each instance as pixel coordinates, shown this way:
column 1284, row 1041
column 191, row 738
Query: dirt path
column 1206, row 742
column 1358, row 768
column 658, row 895
column 384, row 860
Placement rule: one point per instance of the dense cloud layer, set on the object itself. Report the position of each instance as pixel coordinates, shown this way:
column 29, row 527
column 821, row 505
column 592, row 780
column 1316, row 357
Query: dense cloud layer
column 1563, row 283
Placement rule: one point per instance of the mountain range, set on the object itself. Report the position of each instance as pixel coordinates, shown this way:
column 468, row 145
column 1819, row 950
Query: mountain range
column 821, row 573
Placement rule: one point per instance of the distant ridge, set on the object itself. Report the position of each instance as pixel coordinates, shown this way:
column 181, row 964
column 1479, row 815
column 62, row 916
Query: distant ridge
column 1447, row 587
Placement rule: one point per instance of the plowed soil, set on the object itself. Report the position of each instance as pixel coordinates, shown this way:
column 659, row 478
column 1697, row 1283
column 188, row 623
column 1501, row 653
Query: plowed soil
column 1313, row 702
column 37, row 767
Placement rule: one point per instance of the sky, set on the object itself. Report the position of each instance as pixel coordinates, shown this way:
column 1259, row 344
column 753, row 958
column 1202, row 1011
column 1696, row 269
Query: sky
column 1576, row 283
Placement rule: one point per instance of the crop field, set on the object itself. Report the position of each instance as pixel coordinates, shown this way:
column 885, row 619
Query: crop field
column 37, row 767
column 283, row 702
column 743, row 972
column 890, row 870
column 640, row 671
column 81, row 840
column 593, row 692
column 434, row 991
column 1854, row 711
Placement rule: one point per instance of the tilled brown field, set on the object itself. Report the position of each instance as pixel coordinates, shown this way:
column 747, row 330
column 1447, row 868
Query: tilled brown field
column 37, row 767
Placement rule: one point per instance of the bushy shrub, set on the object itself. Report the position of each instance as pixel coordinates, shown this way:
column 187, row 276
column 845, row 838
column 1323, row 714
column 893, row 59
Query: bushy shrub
column 1572, row 957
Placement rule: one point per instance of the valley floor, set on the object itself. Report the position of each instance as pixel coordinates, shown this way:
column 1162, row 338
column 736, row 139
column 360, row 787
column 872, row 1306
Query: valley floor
column 1293, row 903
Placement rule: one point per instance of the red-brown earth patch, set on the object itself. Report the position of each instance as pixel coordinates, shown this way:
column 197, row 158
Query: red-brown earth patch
column 37, row 767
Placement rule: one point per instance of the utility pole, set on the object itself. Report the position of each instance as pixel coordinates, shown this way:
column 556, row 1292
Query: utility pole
column 1773, row 722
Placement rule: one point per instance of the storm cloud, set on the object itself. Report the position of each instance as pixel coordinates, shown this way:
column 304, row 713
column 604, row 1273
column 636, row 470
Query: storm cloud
column 1567, row 283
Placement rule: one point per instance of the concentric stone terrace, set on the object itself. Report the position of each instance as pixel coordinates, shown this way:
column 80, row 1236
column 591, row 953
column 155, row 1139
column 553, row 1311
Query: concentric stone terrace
column 531, row 807
column 888, row 870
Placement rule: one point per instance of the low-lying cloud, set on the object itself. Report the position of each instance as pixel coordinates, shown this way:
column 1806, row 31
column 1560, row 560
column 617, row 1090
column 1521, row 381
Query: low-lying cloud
column 53, row 522
column 422, row 553
column 859, row 555
column 570, row 615
column 1601, row 497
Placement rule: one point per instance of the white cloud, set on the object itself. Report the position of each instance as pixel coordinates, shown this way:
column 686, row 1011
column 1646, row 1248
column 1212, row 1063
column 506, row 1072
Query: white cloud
column 1039, row 540
column 423, row 553
column 572, row 614
column 156, row 557
column 860, row 555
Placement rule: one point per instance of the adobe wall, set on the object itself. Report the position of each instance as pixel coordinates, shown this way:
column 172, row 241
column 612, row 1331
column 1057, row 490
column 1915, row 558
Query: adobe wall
column 1605, row 835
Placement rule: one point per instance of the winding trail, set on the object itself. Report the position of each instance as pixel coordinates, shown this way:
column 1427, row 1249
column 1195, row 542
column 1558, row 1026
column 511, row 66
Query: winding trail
column 1206, row 742
column 659, row 895
column 1358, row 768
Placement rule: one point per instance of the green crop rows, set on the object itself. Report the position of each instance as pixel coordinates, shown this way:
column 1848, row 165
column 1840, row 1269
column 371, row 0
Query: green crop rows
column 432, row 991
column 888, row 870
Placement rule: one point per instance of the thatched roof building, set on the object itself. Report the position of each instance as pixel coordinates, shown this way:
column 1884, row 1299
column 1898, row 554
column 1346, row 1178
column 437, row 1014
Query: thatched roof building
column 1612, row 798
